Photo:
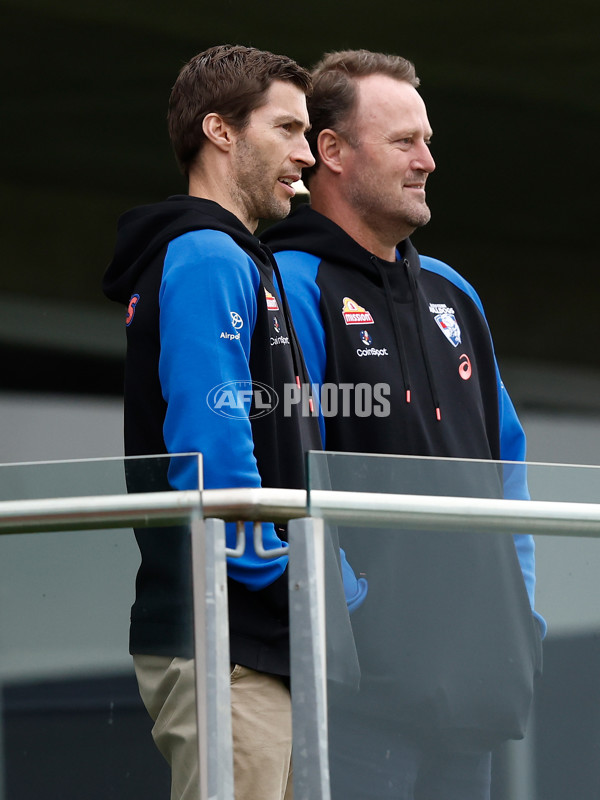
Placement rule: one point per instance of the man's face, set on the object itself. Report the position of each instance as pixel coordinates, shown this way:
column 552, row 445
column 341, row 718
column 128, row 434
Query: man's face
column 269, row 154
column 385, row 171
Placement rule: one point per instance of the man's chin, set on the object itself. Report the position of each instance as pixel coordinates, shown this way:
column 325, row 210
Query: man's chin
column 421, row 217
column 278, row 211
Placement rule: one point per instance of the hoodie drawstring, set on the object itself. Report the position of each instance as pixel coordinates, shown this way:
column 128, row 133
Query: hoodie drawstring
column 395, row 326
column 428, row 368
column 398, row 334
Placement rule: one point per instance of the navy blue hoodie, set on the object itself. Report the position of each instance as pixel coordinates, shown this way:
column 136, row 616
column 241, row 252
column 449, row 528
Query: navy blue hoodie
column 446, row 638
column 210, row 352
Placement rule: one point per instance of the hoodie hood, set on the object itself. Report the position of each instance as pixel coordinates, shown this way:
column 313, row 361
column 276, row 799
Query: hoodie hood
column 310, row 232
column 144, row 231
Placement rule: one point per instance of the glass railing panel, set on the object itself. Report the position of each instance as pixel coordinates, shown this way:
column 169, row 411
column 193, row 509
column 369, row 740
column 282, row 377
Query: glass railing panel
column 73, row 724
column 92, row 477
column 446, row 642
column 448, row 476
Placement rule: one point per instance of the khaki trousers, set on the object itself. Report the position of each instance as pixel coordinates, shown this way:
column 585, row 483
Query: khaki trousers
column 261, row 722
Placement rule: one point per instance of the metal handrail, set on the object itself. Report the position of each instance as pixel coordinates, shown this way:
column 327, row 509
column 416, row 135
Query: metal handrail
column 150, row 509
column 426, row 512
column 280, row 505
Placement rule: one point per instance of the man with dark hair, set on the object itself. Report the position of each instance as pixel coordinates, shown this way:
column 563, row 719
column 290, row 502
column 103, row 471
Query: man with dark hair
column 447, row 640
column 202, row 311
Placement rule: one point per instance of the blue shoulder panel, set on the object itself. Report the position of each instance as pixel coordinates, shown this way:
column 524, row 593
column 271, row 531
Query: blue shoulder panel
column 440, row 268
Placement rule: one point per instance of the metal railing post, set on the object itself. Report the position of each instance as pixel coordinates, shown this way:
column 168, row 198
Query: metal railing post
column 308, row 659
column 211, row 653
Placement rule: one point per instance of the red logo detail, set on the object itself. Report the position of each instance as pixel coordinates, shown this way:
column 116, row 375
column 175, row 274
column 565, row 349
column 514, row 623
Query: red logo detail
column 131, row 309
column 465, row 369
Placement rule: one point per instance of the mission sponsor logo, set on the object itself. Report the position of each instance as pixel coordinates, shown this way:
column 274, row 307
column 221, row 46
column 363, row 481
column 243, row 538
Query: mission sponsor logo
column 272, row 304
column 354, row 314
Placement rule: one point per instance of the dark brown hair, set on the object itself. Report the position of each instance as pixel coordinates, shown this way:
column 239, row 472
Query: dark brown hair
column 334, row 94
column 230, row 80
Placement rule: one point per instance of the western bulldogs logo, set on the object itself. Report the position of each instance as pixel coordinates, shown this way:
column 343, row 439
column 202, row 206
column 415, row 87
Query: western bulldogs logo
column 448, row 325
column 365, row 338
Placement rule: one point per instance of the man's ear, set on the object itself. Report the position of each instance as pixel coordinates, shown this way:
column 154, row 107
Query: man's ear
column 217, row 131
column 330, row 145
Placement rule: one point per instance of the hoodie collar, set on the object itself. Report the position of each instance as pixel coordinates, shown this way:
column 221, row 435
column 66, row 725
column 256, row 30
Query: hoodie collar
column 311, row 232
column 144, row 231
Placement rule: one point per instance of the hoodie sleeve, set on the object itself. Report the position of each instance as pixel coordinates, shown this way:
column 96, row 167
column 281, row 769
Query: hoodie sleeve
column 513, row 451
column 512, row 448
column 512, row 442
column 208, row 305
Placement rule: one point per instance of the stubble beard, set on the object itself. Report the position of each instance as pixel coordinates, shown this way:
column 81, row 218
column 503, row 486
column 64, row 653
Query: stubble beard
column 254, row 188
column 418, row 216
column 384, row 213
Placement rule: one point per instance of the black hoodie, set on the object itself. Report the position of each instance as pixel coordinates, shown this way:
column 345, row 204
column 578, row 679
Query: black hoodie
column 204, row 319
column 446, row 639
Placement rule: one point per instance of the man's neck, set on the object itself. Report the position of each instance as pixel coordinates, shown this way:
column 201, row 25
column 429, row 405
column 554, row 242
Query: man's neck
column 376, row 242
column 211, row 188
